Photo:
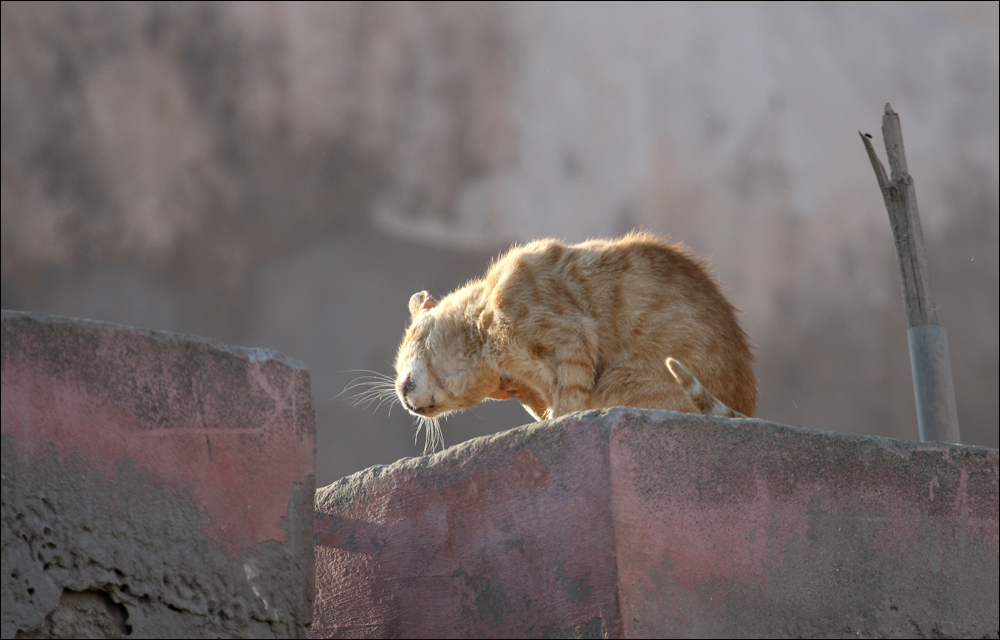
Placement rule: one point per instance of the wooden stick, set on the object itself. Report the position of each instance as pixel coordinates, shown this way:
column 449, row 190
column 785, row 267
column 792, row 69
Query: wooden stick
column 901, row 202
column 934, row 392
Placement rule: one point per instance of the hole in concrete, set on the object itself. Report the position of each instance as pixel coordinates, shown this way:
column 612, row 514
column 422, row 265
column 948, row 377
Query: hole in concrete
column 85, row 614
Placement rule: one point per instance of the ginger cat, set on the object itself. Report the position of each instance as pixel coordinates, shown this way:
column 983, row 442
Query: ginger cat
column 586, row 326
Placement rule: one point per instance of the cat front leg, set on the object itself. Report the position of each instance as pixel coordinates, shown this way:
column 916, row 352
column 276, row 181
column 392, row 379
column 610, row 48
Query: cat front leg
column 574, row 363
column 574, row 386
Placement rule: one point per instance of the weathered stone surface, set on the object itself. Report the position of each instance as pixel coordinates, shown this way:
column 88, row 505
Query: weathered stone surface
column 727, row 528
column 628, row 523
column 504, row 536
column 153, row 484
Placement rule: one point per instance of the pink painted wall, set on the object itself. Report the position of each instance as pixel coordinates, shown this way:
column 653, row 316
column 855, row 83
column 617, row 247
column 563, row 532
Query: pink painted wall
column 216, row 442
column 506, row 536
column 747, row 528
column 634, row 523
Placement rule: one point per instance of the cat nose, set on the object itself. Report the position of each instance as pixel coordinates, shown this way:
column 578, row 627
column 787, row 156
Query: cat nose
column 408, row 385
column 404, row 390
column 422, row 406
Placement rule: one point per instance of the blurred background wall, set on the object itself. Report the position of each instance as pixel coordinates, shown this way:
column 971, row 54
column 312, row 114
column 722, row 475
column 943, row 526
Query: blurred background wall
column 285, row 175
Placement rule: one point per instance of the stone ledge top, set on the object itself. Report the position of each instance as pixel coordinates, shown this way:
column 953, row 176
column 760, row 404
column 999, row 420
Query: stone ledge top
column 637, row 523
column 254, row 354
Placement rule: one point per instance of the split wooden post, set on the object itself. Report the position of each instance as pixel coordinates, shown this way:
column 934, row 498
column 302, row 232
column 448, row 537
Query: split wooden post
column 933, row 390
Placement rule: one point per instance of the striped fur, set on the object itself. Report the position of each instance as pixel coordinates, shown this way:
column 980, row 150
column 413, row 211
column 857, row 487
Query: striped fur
column 587, row 326
column 699, row 395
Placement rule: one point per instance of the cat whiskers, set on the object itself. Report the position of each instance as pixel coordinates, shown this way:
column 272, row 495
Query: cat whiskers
column 376, row 388
column 434, row 439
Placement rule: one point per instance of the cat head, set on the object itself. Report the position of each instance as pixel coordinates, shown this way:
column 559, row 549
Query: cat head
column 440, row 365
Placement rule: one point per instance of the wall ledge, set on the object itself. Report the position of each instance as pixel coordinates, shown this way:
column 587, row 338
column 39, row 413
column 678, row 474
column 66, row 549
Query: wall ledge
column 634, row 523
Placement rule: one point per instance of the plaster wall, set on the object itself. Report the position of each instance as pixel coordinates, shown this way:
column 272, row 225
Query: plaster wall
column 154, row 484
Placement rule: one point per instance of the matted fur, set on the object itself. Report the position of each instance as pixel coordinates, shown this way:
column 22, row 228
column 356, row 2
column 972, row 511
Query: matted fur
column 568, row 328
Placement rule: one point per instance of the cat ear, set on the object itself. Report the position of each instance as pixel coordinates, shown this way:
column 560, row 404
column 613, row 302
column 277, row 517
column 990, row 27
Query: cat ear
column 420, row 301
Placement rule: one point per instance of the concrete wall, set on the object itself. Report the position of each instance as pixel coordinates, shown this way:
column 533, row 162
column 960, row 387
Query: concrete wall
column 157, row 484
column 629, row 523
column 154, row 484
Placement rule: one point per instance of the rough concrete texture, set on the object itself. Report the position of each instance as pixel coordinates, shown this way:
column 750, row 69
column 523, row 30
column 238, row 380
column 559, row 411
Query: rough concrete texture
column 744, row 528
column 627, row 523
column 503, row 536
column 154, row 485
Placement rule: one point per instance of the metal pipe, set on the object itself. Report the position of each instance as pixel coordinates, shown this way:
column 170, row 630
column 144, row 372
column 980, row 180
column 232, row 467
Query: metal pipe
column 937, row 416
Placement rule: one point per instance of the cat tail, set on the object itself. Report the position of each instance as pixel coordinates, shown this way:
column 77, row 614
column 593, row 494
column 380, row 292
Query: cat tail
column 699, row 395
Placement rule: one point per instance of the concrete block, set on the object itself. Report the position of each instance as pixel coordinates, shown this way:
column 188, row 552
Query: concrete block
column 154, row 485
column 504, row 536
column 628, row 523
column 745, row 528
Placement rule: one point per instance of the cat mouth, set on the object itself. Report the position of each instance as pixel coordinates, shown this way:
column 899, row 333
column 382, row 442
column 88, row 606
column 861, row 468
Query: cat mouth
column 428, row 411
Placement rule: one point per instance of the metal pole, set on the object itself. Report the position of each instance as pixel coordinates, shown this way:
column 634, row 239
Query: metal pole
column 937, row 417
